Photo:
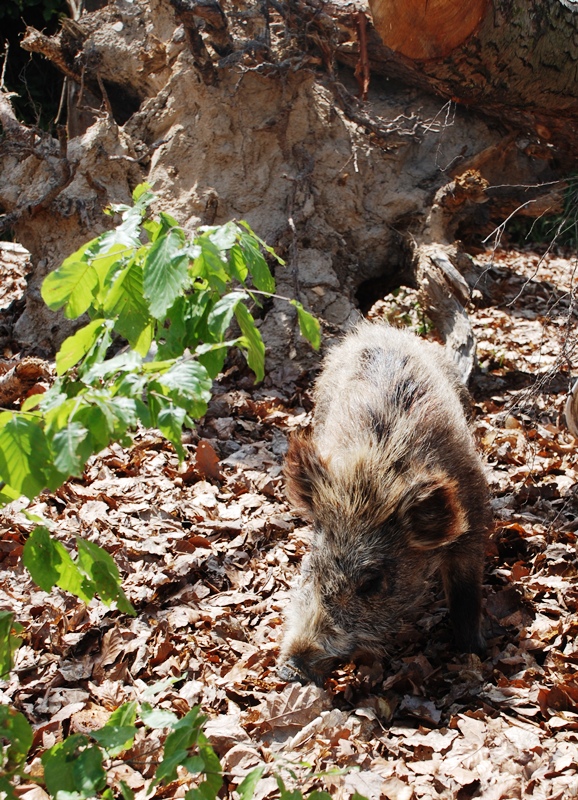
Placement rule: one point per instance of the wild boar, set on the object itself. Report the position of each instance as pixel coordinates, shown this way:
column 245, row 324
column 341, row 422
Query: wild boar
column 390, row 479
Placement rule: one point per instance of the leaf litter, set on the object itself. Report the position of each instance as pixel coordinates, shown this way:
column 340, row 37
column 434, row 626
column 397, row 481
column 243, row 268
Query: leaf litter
column 209, row 552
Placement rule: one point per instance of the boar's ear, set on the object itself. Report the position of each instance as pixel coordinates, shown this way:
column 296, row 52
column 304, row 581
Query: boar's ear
column 432, row 513
column 304, row 469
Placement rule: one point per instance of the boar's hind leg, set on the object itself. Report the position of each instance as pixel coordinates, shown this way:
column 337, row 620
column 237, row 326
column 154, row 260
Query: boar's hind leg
column 462, row 576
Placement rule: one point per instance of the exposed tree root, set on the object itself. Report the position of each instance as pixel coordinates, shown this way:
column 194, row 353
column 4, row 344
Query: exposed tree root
column 17, row 379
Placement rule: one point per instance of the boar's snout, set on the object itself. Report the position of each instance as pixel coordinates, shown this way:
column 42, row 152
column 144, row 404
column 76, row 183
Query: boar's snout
column 307, row 667
column 313, row 644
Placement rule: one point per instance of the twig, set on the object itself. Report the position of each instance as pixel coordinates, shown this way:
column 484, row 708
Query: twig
column 3, row 76
column 362, row 68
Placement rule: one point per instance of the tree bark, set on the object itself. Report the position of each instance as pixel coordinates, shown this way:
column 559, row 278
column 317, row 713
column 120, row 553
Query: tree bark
column 517, row 62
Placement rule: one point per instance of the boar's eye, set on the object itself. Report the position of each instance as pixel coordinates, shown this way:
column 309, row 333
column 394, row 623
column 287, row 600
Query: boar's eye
column 371, row 584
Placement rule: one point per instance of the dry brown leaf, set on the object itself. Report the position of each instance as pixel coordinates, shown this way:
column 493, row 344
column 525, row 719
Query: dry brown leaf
column 420, row 708
column 34, row 792
column 113, row 644
column 110, row 693
column 224, row 732
column 294, row 707
column 89, row 719
column 207, row 461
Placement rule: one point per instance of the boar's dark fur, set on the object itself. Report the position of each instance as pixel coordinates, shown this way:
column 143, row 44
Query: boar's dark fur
column 391, row 481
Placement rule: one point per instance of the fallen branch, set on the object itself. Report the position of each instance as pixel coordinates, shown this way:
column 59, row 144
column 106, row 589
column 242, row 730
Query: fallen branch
column 444, row 293
column 571, row 411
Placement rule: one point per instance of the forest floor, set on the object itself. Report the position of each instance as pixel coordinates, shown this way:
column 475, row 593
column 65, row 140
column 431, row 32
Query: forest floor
column 209, row 551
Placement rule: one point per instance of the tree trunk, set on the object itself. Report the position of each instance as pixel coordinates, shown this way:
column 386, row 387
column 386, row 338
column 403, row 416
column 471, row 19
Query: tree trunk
column 516, row 61
column 247, row 112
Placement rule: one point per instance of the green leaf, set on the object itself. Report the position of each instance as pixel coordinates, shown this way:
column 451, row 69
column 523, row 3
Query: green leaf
column 168, row 222
column 105, row 416
column 209, row 265
column 7, row 789
column 287, row 794
column 66, row 445
column 98, row 351
column 31, row 402
column 197, row 309
column 221, row 315
column 126, row 302
column 258, row 267
column 252, row 341
column 211, row 767
column 119, row 412
column 237, row 265
column 212, row 358
column 167, row 769
column 157, row 687
column 142, row 343
column 50, row 564
column 123, row 715
column 308, row 325
column 183, row 325
column 247, row 786
column 103, row 572
column 222, row 236
column 58, row 762
column 318, row 794
column 115, row 738
column 9, row 641
column 142, row 190
column 128, row 232
column 98, row 422
column 121, row 363
column 177, row 745
column 25, row 460
column 15, row 728
column 165, row 273
column 5, row 418
column 8, row 494
column 157, row 717
column 88, row 772
column 107, row 265
column 78, row 345
column 72, row 285
column 119, row 732
column 153, row 228
column 170, row 421
column 124, row 411
column 126, row 791
column 263, row 244
column 170, row 339
column 132, row 385
column 189, row 385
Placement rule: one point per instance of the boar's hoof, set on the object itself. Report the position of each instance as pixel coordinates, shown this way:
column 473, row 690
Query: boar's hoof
column 479, row 647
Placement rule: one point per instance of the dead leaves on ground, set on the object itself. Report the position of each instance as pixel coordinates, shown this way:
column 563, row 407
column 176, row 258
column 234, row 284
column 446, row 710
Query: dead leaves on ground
column 209, row 553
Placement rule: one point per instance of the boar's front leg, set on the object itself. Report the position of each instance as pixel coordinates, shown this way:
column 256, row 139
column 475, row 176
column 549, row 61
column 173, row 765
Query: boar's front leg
column 462, row 576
